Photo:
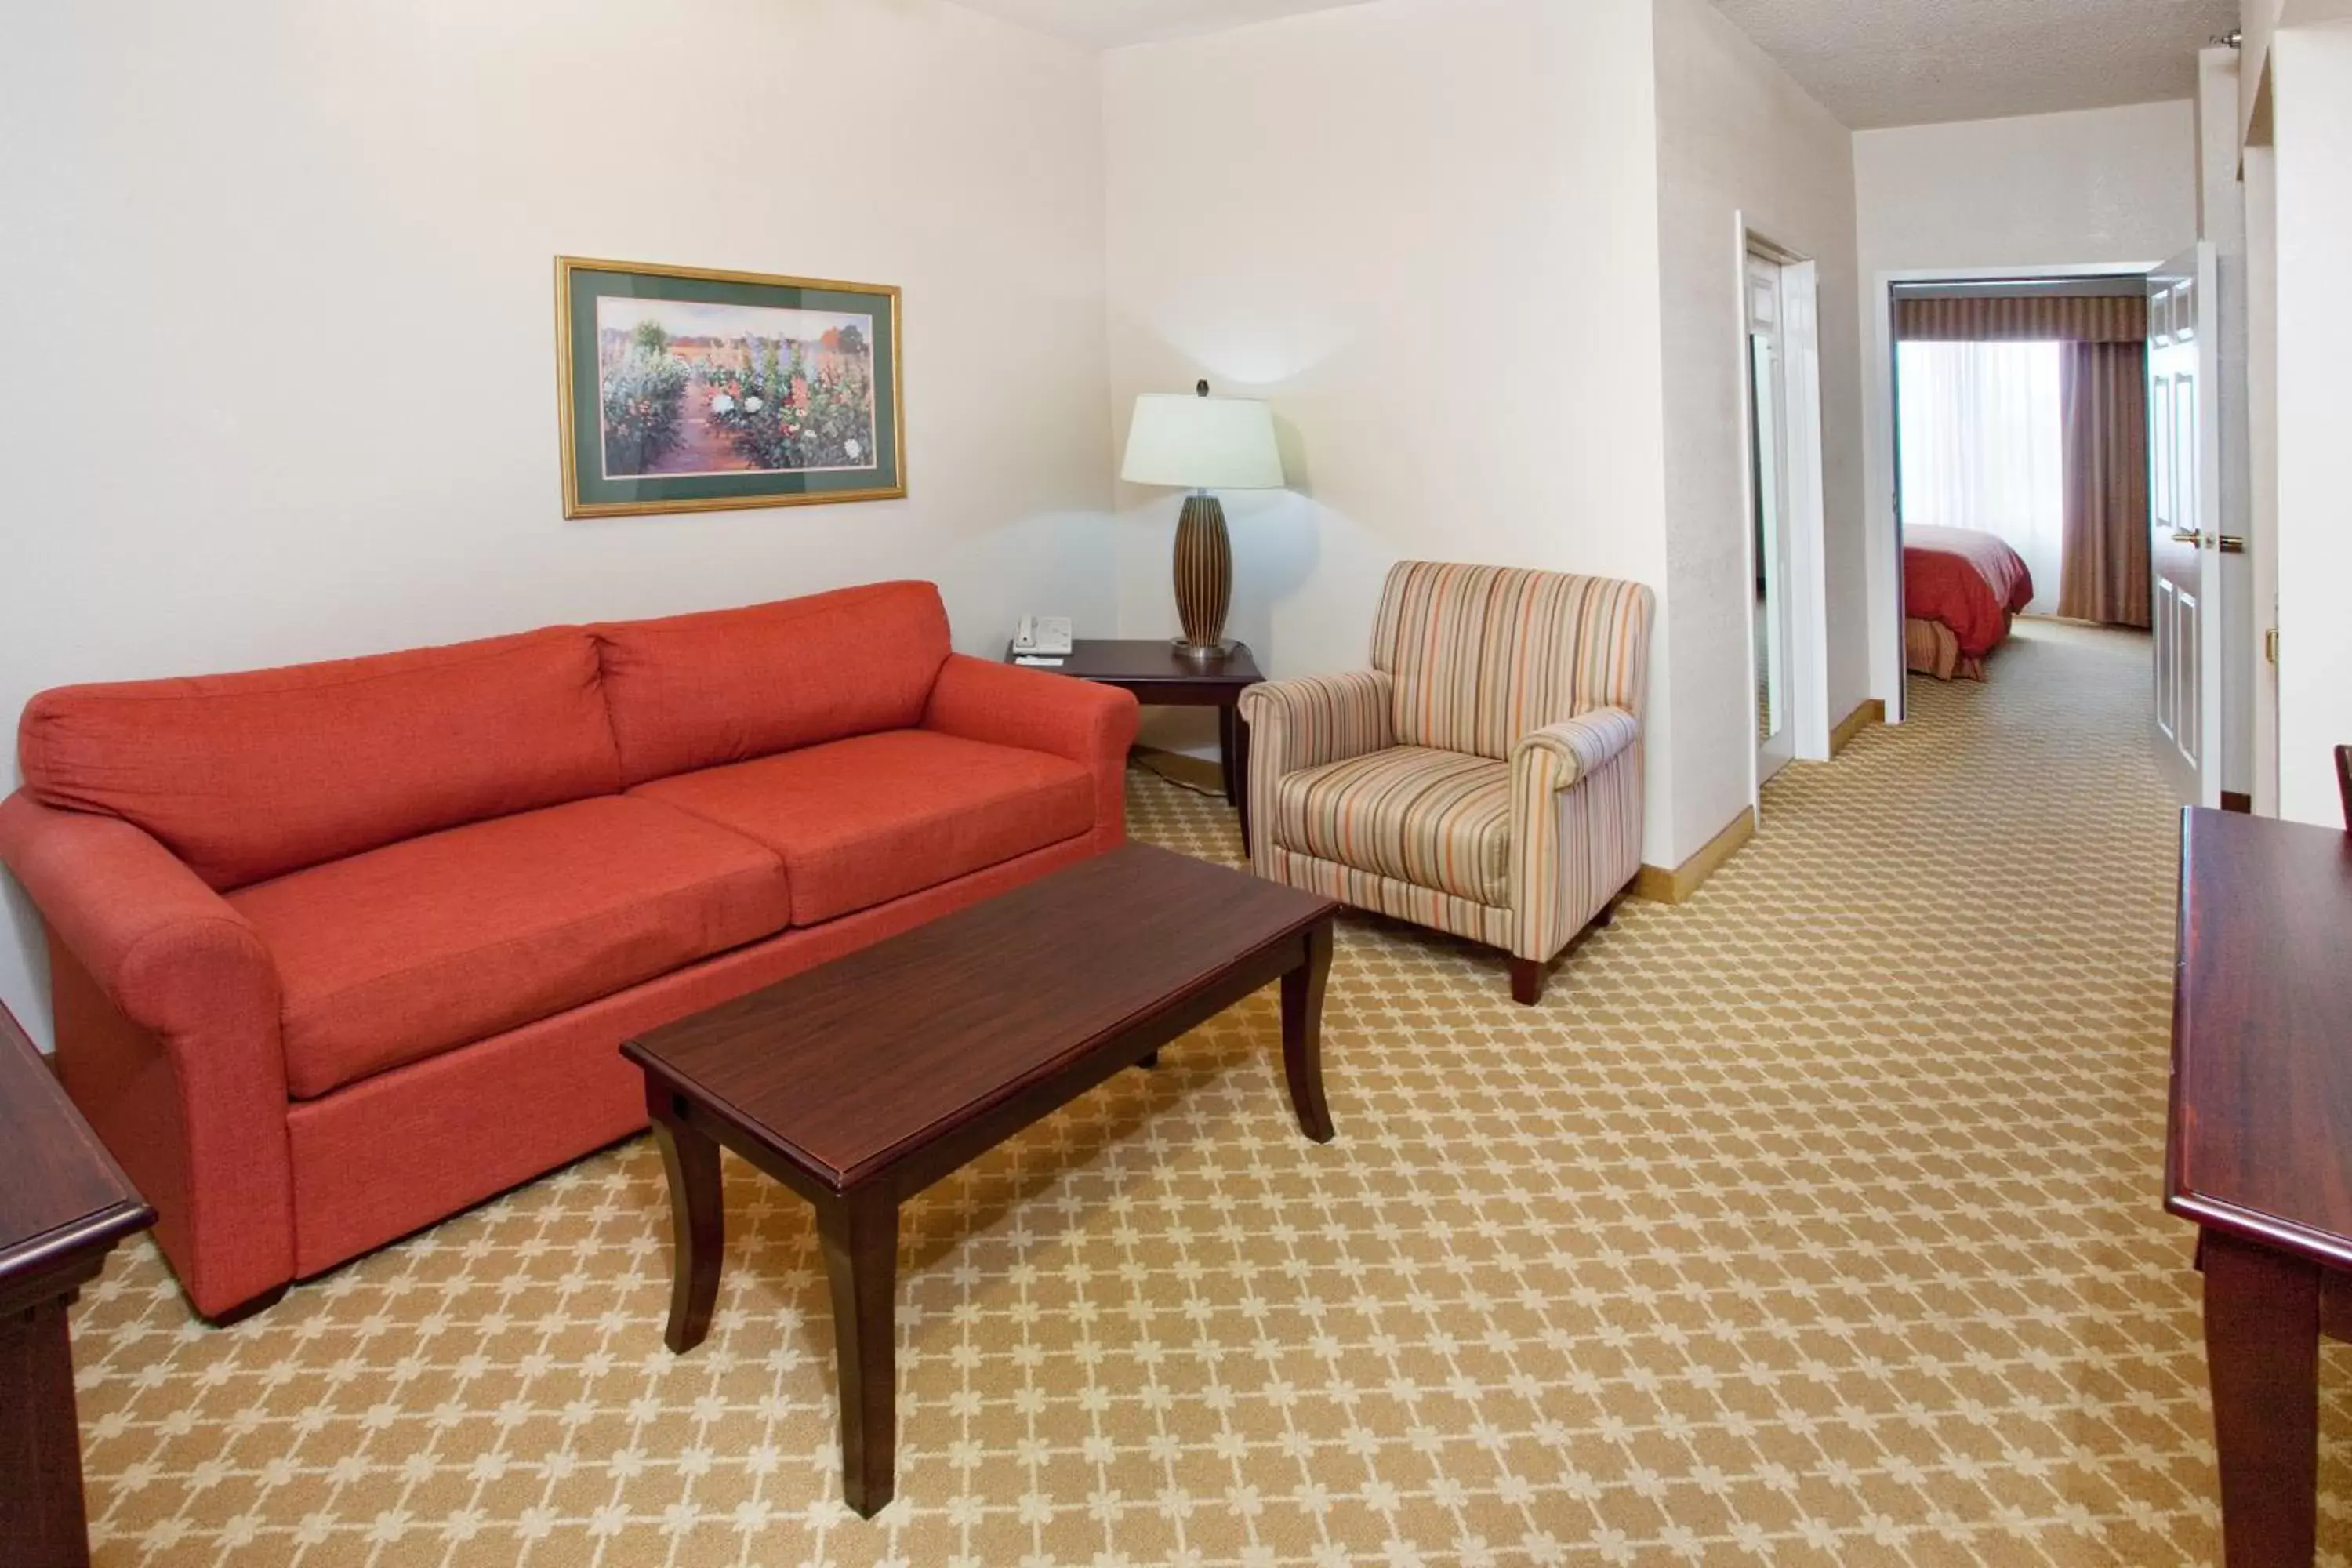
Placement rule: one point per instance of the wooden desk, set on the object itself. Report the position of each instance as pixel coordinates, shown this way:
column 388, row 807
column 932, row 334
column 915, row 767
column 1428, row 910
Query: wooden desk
column 2260, row 1152
column 64, row 1203
column 1157, row 674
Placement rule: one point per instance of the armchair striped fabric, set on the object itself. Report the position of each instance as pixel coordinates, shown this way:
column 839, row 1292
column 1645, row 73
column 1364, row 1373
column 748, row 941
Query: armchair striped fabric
column 1483, row 777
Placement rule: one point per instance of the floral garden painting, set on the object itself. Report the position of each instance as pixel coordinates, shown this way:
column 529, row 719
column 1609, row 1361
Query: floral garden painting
column 687, row 389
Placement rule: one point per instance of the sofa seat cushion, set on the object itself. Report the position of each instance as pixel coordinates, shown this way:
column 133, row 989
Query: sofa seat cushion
column 425, row 945
column 862, row 821
column 1436, row 819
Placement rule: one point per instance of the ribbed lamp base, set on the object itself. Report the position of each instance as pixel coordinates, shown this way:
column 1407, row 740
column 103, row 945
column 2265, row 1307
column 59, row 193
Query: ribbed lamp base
column 1204, row 578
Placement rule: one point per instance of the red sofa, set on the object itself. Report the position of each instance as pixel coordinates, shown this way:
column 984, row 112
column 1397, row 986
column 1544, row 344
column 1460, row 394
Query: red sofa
column 340, row 949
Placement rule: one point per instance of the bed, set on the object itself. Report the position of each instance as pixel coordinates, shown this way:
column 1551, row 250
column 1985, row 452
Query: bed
column 1961, row 587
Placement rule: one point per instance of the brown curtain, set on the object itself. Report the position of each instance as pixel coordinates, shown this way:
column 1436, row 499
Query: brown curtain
column 2103, row 407
column 2018, row 318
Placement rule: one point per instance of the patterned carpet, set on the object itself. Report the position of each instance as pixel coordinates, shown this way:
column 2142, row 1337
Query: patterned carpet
column 1813, row 1221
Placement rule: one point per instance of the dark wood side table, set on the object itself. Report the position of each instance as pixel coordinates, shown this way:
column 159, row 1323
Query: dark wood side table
column 64, row 1203
column 1157, row 674
column 864, row 1080
column 2260, row 1151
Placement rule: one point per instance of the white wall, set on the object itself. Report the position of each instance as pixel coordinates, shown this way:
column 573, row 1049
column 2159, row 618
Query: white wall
column 1738, row 139
column 2311, row 214
column 2105, row 186
column 279, row 281
column 1428, row 230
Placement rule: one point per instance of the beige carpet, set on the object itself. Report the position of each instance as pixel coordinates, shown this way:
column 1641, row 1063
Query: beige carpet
column 1814, row 1221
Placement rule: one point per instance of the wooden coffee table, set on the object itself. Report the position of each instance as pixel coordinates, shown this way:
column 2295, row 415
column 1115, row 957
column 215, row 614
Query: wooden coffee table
column 865, row 1081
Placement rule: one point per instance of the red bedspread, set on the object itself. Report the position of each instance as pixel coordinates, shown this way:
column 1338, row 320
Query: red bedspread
column 1969, row 580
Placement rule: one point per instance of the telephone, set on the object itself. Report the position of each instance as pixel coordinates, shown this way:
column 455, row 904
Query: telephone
column 1042, row 637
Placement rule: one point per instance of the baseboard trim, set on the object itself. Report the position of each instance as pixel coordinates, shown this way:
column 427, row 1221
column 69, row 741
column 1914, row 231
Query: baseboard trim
column 1661, row 885
column 1873, row 712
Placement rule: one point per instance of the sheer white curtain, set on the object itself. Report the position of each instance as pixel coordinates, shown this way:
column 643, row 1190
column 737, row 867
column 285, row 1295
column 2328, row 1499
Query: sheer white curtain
column 1981, row 437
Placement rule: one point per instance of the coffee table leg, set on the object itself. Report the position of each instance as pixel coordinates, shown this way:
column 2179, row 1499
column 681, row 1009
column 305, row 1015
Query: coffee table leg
column 697, row 1221
column 1302, row 1034
column 859, row 1231
column 2261, row 1352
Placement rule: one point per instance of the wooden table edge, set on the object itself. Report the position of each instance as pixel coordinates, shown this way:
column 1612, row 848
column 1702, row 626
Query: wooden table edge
column 840, row 1182
column 63, row 1259
column 2321, row 1247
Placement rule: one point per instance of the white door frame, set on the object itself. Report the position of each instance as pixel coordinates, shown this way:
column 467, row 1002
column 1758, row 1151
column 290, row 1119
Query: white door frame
column 1807, row 660
column 1882, row 553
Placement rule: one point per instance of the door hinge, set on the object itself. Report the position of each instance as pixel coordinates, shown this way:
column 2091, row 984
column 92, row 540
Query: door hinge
column 2269, row 645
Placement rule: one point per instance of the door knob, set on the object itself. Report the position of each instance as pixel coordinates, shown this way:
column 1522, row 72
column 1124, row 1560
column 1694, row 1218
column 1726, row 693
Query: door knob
column 2187, row 536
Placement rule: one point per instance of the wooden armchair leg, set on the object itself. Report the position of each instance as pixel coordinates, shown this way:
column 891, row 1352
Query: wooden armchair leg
column 1527, row 980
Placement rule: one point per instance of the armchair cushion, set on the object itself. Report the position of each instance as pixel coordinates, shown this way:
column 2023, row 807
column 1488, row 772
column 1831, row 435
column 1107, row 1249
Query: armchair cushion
column 1435, row 819
column 1577, row 746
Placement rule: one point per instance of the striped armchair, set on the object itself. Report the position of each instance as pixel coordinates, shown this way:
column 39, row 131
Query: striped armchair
column 1483, row 777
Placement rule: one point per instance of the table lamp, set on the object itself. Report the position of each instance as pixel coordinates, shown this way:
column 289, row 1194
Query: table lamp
column 1203, row 444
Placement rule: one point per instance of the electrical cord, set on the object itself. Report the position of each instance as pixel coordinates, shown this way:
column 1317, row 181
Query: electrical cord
column 1149, row 765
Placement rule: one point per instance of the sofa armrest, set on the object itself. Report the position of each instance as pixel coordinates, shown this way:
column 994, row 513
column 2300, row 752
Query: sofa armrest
column 167, row 1006
column 1304, row 722
column 1559, row 754
column 1010, row 706
column 168, row 951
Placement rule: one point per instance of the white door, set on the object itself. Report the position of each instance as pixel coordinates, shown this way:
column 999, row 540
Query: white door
column 1767, row 443
column 2185, row 521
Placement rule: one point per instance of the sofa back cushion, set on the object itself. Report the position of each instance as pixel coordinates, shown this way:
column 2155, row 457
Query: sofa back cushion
column 1478, row 656
column 250, row 775
column 725, row 686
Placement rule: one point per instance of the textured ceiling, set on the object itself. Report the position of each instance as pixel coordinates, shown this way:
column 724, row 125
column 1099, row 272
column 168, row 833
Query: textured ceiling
column 1908, row 62
column 1107, row 24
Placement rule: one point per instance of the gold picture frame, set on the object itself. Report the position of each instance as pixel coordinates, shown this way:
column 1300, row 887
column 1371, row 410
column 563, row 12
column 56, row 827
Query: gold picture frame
column 699, row 389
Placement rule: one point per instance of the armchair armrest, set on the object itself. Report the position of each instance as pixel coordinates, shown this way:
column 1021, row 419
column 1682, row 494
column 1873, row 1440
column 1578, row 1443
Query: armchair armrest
column 1311, row 719
column 1009, row 706
column 167, row 1006
column 1305, row 722
column 1564, row 753
column 1576, row 824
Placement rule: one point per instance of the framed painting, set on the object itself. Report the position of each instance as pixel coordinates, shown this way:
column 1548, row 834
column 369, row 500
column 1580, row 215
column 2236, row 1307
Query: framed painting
column 684, row 389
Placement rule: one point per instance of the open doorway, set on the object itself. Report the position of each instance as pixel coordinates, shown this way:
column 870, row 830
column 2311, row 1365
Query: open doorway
column 1780, row 348
column 1770, row 623
column 2020, row 460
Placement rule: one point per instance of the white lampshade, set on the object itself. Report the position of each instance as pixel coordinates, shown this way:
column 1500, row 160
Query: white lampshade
column 1202, row 443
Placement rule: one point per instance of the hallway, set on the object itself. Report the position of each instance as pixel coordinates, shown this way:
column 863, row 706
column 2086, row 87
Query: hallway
column 1815, row 1221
